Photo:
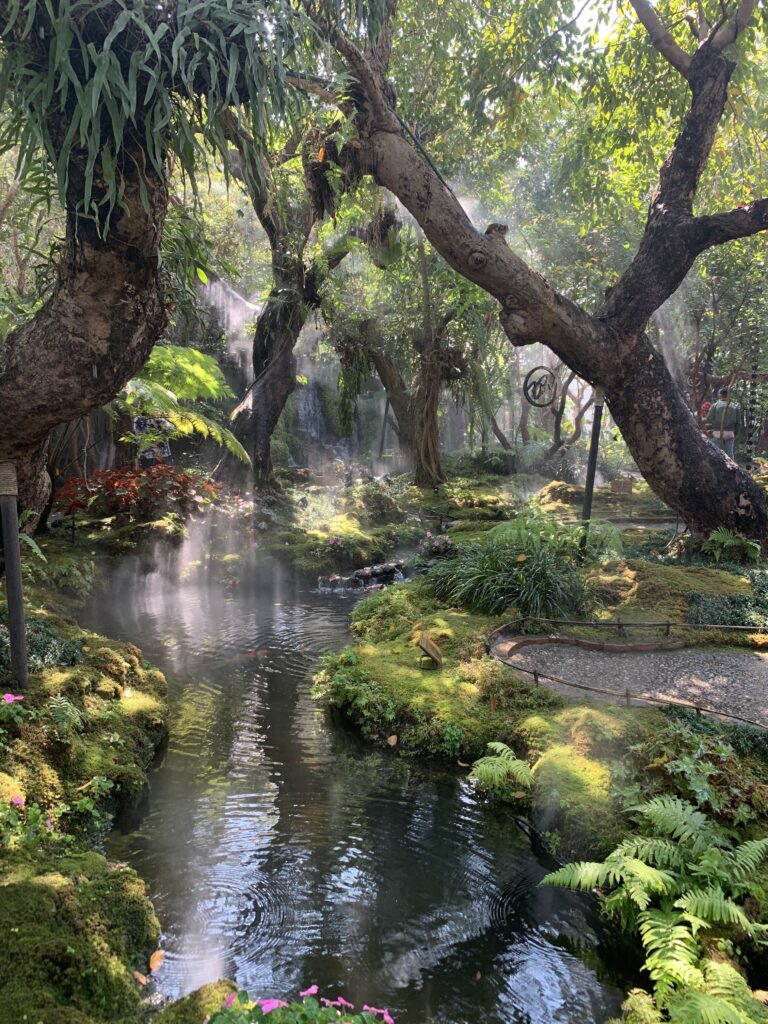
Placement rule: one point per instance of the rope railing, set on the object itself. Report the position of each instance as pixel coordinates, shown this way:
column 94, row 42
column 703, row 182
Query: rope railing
column 627, row 695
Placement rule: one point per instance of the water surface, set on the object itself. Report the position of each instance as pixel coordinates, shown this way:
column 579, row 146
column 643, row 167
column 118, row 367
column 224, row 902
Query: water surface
column 281, row 851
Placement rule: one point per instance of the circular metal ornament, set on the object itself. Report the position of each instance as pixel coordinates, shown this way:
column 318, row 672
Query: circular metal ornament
column 540, row 386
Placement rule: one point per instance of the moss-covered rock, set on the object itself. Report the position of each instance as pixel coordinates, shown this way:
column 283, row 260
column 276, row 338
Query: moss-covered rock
column 198, row 1005
column 72, row 929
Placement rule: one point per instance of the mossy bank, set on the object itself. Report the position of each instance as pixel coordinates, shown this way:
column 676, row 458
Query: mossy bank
column 75, row 930
column 585, row 757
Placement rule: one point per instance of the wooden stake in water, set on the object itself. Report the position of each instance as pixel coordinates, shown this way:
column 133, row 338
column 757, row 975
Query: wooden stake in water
column 10, row 527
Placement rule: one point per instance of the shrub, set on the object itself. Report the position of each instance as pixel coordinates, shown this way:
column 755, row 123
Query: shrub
column 144, row 494
column 45, row 647
column 239, row 1009
column 499, row 770
column 436, row 545
column 724, row 544
column 531, row 532
column 496, row 575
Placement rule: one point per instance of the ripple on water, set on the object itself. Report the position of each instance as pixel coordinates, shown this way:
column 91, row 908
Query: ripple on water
column 282, row 852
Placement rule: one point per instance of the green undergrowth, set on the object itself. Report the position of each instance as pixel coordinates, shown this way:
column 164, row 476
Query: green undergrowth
column 565, row 502
column 328, row 528
column 73, row 927
column 584, row 756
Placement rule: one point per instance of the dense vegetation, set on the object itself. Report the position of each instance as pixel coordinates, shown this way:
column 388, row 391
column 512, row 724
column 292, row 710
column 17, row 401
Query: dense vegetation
column 320, row 266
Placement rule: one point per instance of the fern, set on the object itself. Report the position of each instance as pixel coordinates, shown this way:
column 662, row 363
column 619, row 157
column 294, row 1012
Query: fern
column 65, row 715
column 583, row 876
column 679, row 820
column 671, row 886
column 704, row 1008
column 661, row 853
column 672, row 953
column 496, row 771
column 712, row 905
column 748, row 857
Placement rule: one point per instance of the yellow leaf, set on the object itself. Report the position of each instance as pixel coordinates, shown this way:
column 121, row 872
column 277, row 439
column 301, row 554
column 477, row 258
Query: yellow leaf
column 392, row 740
column 141, row 978
column 155, row 960
column 321, row 154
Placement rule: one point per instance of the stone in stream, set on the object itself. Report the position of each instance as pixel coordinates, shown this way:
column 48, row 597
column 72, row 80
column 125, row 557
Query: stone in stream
column 369, row 577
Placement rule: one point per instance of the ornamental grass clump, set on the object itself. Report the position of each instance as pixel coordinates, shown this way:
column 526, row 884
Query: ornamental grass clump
column 496, row 575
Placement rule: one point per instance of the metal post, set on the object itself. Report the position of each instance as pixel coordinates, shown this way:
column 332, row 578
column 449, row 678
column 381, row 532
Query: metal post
column 10, row 525
column 589, row 486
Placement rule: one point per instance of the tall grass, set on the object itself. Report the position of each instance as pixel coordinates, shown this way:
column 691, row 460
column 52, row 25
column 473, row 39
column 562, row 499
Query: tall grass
column 497, row 575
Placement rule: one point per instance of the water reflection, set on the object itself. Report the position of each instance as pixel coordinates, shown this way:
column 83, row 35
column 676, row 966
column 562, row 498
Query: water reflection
column 281, row 851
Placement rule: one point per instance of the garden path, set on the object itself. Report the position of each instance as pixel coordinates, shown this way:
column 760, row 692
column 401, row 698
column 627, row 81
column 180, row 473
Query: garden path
column 725, row 682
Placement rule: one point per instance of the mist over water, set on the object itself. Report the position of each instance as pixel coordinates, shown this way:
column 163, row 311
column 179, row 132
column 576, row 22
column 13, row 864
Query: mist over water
column 281, row 851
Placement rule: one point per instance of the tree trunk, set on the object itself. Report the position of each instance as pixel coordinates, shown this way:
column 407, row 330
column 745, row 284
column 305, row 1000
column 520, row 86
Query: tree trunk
column 429, row 470
column 683, row 467
column 92, row 335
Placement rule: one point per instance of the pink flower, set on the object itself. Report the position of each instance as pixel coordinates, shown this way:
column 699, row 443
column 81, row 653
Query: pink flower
column 48, row 823
column 268, row 1005
column 9, row 698
column 230, row 1000
column 311, row 991
column 341, row 1001
column 428, row 533
column 384, row 1013
column 18, row 800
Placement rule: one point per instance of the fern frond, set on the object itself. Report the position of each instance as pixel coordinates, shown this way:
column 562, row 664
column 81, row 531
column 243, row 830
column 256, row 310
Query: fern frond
column 677, row 819
column 64, row 714
column 496, row 769
column 724, row 981
column 694, row 1007
column 672, row 952
column 747, row 858
column 713, row 906
column 661, row 853
column 584, row 876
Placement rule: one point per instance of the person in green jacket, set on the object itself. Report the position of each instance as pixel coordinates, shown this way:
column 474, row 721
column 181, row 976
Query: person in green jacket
column 723, row 420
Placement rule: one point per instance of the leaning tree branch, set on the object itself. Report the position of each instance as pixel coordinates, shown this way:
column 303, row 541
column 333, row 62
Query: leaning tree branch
column 730, row 31
column 661, row 37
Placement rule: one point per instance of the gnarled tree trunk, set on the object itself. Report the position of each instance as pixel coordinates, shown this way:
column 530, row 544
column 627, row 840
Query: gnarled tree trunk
column 91, row 336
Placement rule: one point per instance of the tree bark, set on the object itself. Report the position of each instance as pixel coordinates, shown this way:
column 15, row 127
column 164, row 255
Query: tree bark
column 93, row 334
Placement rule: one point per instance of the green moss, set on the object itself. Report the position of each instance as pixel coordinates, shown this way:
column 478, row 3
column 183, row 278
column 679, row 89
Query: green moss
column 648, row 591
column 572, row 793
column 198, row 1005
column 72, row 929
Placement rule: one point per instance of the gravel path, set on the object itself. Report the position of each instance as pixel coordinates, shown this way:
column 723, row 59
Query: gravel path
column 735, row 684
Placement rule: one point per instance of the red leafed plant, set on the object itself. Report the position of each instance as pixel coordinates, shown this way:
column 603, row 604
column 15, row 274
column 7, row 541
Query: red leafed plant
column 142, row 493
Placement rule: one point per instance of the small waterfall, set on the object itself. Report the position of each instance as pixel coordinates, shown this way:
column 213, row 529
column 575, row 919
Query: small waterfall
column 309, row 416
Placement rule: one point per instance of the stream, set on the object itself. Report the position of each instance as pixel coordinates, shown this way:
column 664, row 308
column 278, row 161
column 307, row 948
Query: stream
column 281, row 851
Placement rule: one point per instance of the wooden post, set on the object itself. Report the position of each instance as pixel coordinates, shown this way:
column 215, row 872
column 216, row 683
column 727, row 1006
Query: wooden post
column 9, row 518
column 589, row 484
